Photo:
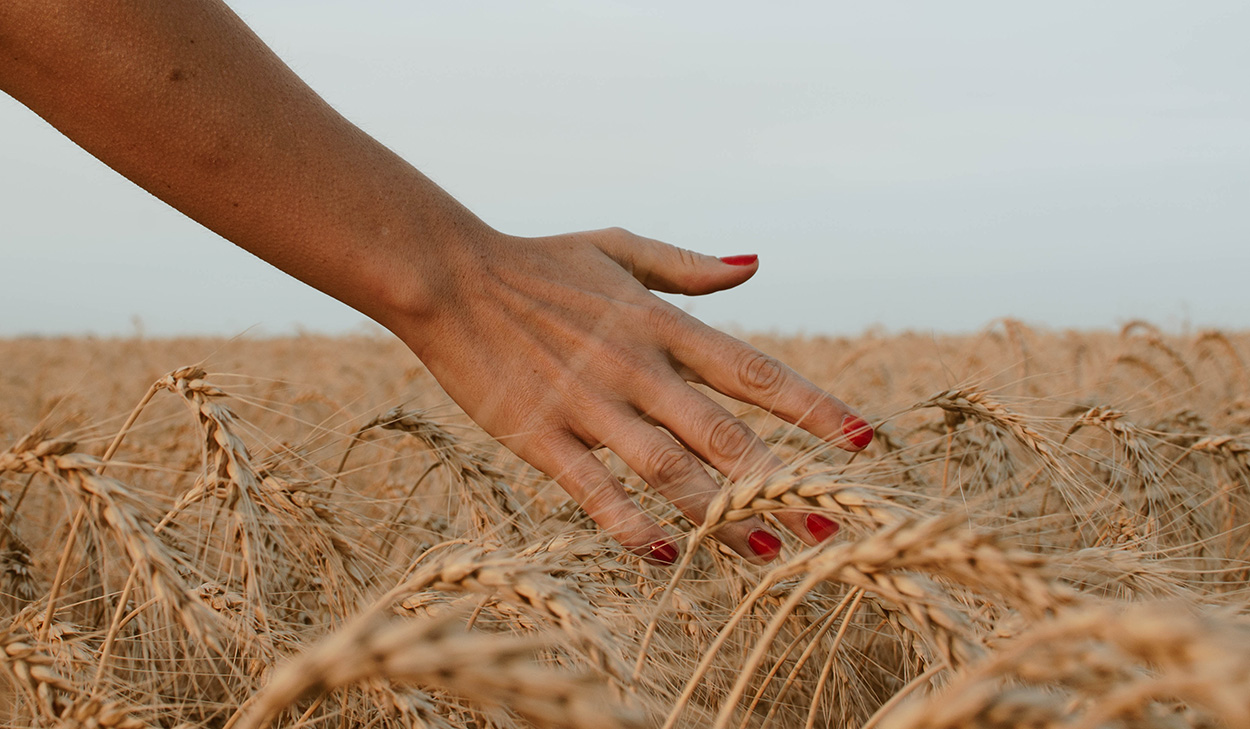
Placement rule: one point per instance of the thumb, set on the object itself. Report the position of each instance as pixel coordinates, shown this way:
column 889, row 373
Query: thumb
column 672, row 270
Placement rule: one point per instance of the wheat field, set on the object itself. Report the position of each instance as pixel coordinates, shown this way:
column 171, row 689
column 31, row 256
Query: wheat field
column 1050, row 530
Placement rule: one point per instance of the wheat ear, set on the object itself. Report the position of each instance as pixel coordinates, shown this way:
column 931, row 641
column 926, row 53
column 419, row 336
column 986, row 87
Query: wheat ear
column 490, row 669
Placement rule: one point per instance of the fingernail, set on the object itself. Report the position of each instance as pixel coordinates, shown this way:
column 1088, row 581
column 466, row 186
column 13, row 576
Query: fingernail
column 745, row 260
column 764, row 544
column 662, row 553
column 820, row 527
column 857, row 431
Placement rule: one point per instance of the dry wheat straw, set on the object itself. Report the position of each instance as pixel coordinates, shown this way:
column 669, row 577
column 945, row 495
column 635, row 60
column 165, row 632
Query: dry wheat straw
column 1099, row 665
column 988, row 573
column 478, row 478
column 110, row 505
column 56, row 697
column 965, row 403
column 1217, row 337
column 528, row 584
column 491, row 669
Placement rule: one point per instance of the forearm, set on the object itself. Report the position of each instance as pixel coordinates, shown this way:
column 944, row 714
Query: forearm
column 183, row 99
column 553, row 344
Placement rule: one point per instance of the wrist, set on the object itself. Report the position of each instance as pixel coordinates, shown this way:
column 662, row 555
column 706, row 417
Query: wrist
column 430, row 257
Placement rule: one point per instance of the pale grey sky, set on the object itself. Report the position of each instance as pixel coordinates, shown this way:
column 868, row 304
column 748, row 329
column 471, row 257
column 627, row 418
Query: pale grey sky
column 912, row 165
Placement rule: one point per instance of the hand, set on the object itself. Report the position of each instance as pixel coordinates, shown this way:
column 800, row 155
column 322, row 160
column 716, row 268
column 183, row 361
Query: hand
column 553, row 345
column 556, row 347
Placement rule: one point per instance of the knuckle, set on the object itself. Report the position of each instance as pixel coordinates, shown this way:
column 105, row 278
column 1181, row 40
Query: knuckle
column 687, row 259
column 613, row 360
column 729, row 438
column 671, row 465
column 760, row 373
column 542, row 444
column 664, row 319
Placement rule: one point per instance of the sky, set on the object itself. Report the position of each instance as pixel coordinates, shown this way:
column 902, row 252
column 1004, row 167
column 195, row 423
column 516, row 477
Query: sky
column 906, row 166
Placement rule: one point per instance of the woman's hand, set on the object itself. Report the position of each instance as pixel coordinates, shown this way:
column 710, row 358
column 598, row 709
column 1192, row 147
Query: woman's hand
column 556, row 347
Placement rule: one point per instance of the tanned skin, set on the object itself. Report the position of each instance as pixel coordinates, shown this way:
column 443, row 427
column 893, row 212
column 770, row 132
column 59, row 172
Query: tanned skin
column 554, row 345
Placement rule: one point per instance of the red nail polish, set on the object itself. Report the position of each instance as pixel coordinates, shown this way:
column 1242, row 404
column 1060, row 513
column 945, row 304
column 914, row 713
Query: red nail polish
column 662, row 553
column 857, row 431
column 740, row 260
column 764, row 544
column 820, row 527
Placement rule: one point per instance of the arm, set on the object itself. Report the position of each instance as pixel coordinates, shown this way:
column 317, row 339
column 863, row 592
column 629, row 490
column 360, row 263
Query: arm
column 181, row 97
column 554, row 345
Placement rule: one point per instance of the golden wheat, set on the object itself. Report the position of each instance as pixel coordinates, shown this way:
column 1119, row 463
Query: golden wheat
column 1059, row 537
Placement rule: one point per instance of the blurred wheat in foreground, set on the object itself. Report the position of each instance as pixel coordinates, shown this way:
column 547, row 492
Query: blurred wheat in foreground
column 1050, row 530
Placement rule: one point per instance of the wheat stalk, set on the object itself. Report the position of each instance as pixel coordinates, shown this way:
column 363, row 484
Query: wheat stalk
column 56, row 697
column 495, row 670
column 1119, row 659
column 961, row 403
column 110, row 505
